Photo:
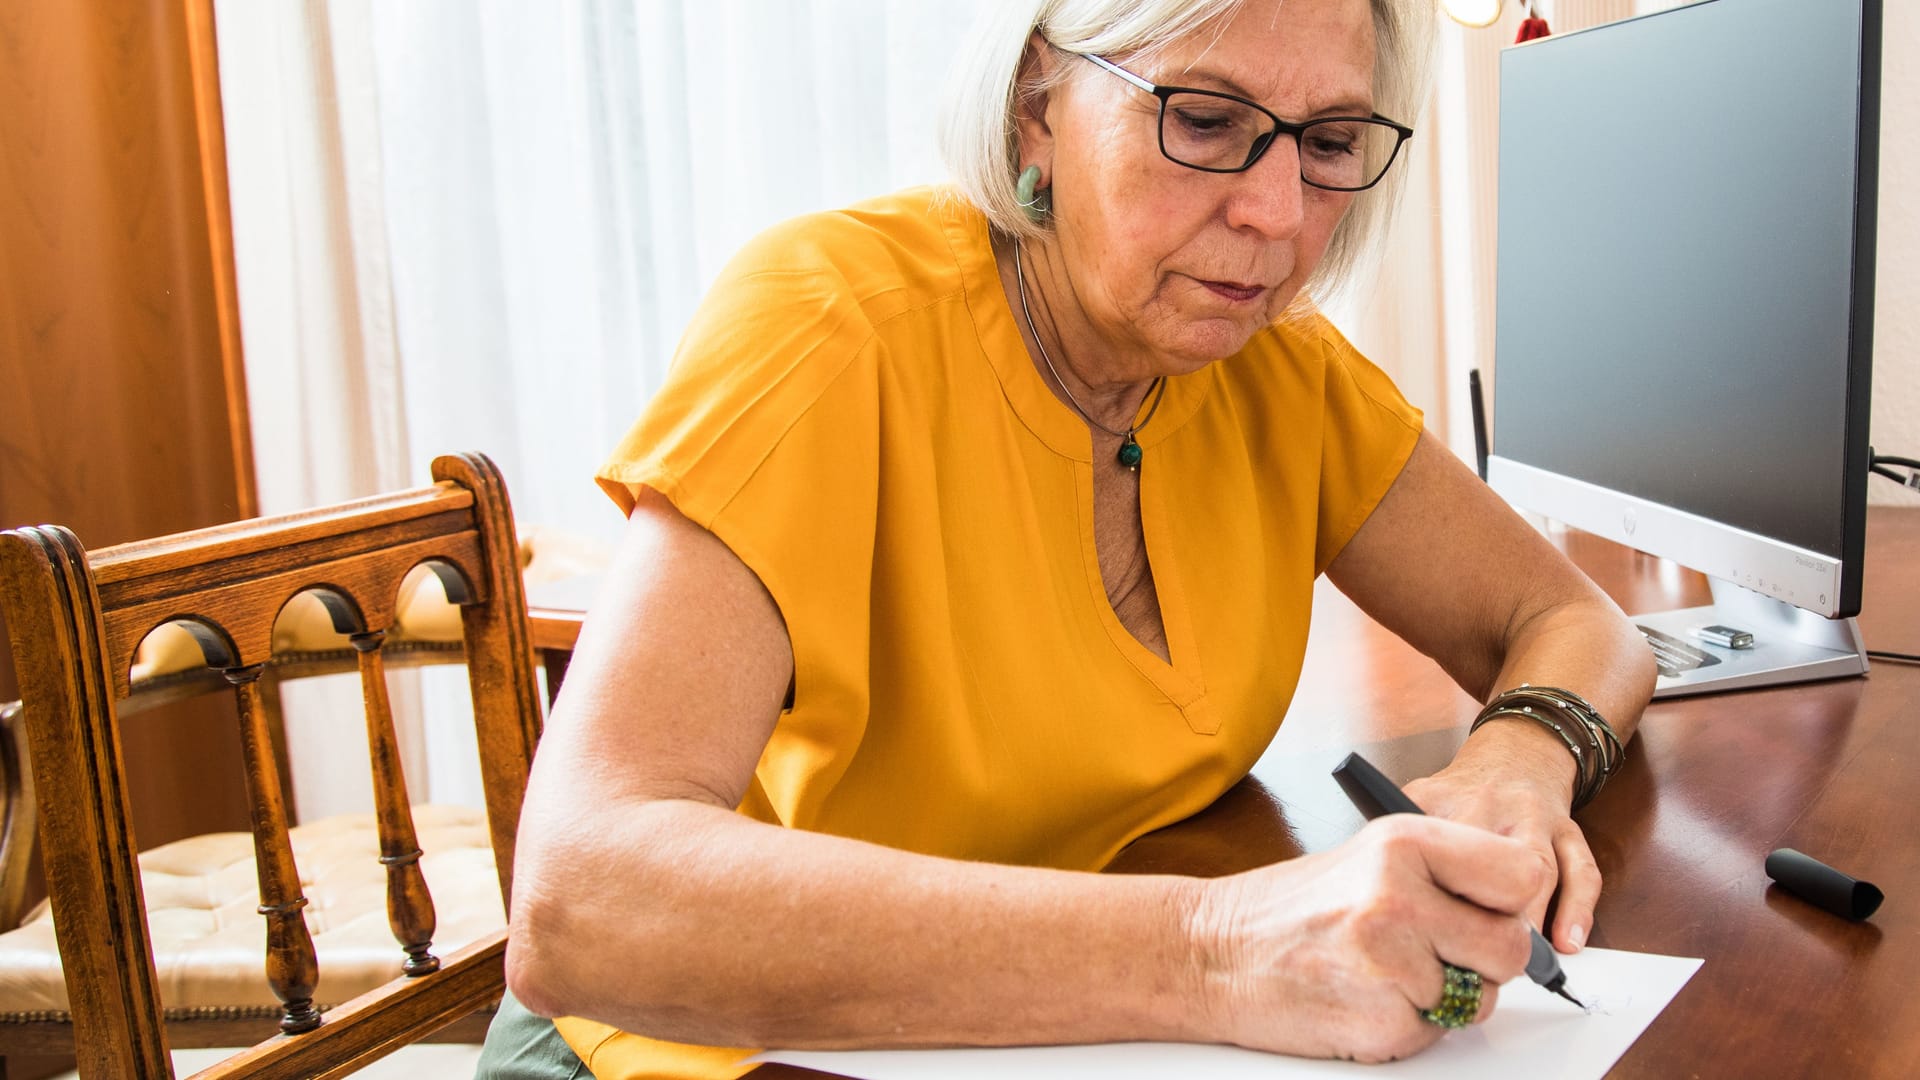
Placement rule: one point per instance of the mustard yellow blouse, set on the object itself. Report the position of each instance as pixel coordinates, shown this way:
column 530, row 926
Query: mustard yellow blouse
column 854, row 414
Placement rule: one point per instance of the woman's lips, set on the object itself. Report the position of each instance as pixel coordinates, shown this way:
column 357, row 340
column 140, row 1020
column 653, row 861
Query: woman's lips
column 1234, row 291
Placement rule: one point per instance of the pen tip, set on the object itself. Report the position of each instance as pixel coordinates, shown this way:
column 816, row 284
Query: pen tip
column 1563, row 993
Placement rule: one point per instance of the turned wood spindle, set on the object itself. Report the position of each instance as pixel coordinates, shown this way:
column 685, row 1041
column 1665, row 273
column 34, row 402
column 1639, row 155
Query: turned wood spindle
column 409, row 905
column 293, row 971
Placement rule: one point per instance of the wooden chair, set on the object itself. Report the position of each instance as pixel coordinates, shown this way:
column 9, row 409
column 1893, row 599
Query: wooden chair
column 76, row 619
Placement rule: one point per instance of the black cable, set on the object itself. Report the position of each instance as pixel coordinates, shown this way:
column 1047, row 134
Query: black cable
column 1477, row 404
column 1877, row 463
column 1904, row 658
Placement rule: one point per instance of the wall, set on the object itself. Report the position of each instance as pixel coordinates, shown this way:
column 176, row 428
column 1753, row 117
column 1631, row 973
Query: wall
column 1896, row 346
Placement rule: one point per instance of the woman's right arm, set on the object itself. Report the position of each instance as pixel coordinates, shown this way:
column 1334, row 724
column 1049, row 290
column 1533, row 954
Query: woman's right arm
column 641, row 899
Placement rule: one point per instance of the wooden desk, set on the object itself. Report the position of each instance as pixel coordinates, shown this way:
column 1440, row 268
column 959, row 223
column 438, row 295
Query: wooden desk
column 1710, row 786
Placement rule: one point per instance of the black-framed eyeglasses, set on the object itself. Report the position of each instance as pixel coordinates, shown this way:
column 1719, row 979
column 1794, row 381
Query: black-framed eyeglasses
column 1222, row 133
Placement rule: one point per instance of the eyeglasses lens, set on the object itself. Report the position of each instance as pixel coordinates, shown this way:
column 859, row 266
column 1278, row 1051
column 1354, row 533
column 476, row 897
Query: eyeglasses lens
column 1220, row 134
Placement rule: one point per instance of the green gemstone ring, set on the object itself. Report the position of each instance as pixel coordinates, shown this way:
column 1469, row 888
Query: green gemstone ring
column 1459, row 1001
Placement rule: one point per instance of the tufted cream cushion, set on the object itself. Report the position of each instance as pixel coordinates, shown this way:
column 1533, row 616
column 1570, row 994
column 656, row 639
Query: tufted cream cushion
column 210, row 944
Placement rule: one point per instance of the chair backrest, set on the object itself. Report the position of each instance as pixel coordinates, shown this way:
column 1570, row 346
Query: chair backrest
column 76, row 618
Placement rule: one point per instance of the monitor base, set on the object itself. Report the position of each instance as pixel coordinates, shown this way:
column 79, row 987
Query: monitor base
column 1789, row 644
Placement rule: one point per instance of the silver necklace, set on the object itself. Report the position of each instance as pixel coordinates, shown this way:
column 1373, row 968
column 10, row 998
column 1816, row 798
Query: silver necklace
column 1130, row 452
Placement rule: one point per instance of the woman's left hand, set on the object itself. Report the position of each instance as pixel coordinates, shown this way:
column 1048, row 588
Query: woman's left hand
column 1514, row 779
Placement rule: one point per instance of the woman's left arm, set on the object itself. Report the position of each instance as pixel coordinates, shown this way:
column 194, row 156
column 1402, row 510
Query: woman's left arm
column 1445, row 564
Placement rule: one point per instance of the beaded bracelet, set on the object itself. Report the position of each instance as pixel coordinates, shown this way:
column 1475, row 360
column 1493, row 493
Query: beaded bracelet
column 1586, row 763
column 1599, row 735
column 1595, row 746
column 1573, row 704
column 1612, row 751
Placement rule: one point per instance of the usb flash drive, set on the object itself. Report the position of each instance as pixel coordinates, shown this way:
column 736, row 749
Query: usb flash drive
column 1724, row 636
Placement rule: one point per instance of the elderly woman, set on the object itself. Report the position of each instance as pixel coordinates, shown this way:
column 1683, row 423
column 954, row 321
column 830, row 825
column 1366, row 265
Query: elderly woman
column 974, row 535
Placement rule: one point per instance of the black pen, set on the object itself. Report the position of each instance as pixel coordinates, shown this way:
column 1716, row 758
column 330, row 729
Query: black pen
column 1373, row 795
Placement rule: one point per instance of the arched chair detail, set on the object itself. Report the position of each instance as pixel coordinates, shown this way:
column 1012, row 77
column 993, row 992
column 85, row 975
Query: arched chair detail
column 76, row 619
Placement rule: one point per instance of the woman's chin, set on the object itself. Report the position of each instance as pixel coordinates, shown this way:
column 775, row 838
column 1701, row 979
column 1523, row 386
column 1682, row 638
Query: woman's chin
column 1200, row 342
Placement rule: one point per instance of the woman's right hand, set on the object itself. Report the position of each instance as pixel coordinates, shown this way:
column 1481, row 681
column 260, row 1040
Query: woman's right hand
column 1335, row 954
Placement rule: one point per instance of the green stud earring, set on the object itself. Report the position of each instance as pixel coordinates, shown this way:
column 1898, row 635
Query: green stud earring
column 1036, row 203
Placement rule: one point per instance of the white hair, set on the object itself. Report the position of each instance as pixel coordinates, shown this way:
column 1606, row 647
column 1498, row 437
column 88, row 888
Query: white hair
column 981, row 145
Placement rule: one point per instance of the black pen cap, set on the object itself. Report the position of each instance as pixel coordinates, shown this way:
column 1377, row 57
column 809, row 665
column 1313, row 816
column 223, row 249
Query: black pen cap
column 1821, row 885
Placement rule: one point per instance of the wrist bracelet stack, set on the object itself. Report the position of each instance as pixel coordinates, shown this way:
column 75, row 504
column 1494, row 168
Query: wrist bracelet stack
column 1596, row 749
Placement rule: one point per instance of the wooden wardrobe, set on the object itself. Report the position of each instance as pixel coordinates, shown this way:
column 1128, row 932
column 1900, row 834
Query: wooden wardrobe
column 122, row 399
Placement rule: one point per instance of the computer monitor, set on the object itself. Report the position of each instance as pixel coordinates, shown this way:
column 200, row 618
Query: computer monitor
column 1684, row 329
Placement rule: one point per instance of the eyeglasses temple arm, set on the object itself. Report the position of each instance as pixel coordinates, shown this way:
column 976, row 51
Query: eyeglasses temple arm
column 1122, row 72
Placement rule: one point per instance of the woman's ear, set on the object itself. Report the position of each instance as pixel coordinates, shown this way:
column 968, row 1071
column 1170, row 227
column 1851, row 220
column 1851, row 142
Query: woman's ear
column 1030, row 107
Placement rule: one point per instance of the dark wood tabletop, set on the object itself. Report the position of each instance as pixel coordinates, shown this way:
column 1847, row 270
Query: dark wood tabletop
column 1711, row 785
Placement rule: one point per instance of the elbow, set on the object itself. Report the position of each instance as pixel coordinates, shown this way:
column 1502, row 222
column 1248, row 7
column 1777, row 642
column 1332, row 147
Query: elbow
column 530, row 987
column 553, row 942
column 535, row 975
column 572, row 946
column 570, row 942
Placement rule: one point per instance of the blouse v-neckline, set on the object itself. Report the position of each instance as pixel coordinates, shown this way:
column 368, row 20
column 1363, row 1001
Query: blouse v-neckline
column 1063, row 431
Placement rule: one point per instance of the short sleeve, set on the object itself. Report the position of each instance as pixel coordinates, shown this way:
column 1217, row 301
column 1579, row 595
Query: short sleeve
column 771, row 337
column 766, row 434
column 1370, row 431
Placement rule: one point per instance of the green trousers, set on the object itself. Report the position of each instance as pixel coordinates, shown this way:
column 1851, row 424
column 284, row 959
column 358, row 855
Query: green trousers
column 522, row 1046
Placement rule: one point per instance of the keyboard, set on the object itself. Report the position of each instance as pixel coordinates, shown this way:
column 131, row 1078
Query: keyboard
column 1673, row 655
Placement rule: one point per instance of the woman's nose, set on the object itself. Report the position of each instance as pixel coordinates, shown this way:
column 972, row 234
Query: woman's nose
column 1270, row 197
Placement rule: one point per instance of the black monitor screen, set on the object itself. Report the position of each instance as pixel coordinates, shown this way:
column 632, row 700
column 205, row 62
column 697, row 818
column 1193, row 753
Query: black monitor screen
column 1677, row 260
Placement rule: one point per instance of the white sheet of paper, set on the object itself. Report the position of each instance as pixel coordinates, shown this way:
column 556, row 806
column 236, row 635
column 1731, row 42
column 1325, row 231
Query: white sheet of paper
column 1532, row 1033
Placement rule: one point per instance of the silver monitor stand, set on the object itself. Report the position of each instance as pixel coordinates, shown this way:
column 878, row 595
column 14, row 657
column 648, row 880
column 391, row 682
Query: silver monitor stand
column 1790, row 644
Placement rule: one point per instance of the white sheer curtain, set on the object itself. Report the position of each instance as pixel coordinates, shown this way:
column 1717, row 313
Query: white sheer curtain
column 493, row 219
column 562, row 181
column 482, row 225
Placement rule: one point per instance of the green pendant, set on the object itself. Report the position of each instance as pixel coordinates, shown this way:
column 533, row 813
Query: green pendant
column 1130, row 453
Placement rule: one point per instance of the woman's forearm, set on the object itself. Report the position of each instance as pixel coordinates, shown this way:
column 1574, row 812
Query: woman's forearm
column 1585, row 647
column 1590, row 649
column 839, row 943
